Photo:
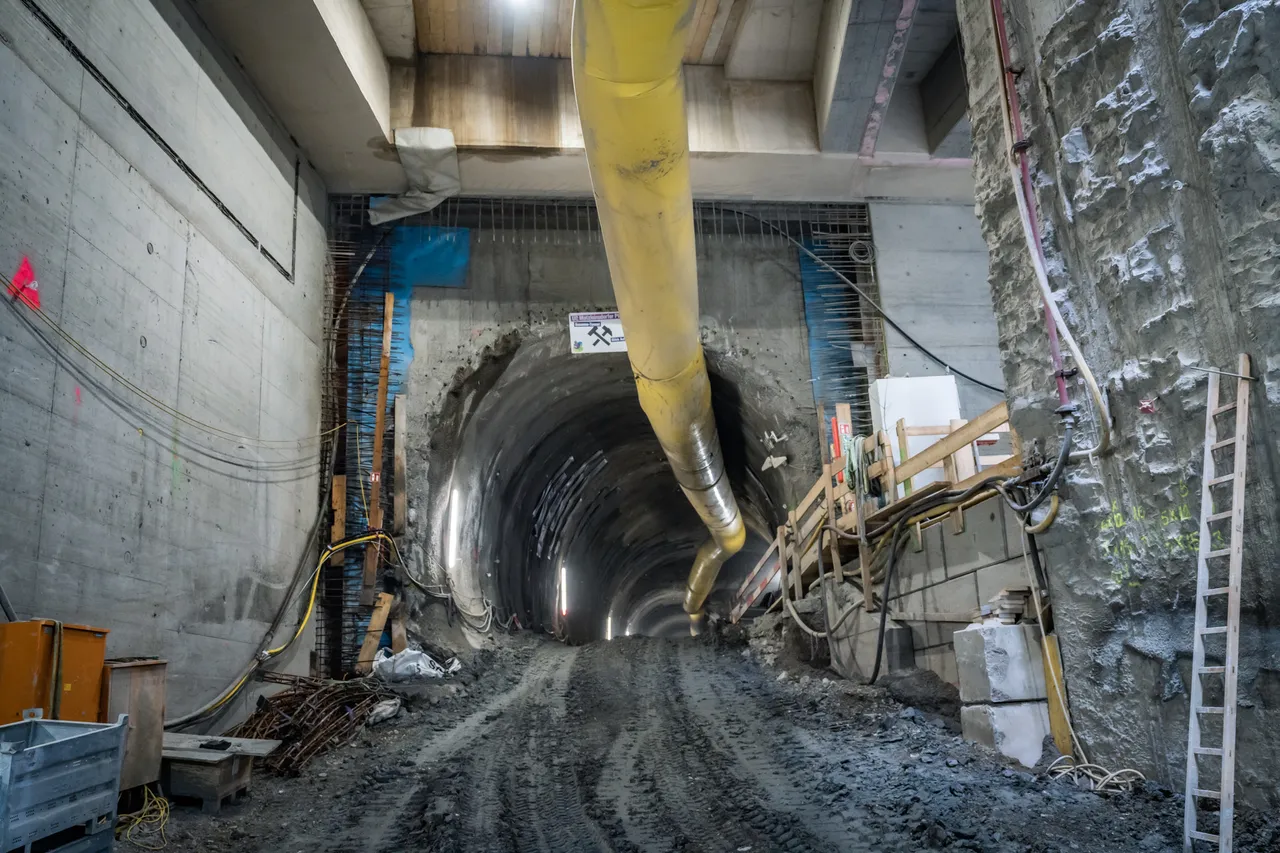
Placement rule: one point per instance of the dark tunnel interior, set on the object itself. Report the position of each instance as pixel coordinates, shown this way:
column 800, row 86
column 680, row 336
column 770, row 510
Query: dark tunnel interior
column 557, row 474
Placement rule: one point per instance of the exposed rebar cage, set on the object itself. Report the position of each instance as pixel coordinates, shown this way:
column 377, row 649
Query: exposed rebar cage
column 846, row 338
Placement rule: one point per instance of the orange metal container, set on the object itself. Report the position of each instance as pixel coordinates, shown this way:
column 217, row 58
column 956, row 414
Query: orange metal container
column 28, row 659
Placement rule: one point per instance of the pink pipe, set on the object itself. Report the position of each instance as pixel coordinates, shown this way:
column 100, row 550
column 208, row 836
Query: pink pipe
column 1015, row 116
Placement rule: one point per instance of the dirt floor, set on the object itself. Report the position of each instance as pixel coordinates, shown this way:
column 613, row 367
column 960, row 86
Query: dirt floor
column 640, row 744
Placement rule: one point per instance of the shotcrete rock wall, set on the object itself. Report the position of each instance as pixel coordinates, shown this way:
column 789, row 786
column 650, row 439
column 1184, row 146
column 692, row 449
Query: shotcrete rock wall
column 1155, row 129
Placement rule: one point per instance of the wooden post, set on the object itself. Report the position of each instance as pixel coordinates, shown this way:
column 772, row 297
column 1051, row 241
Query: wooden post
column 399, row 631
column 960, row 466
column 904, row 452
column 1059, row 726
column 373, row 550
column 837, row 570
column 400, row 452
column 373, row 636
column 890, row 469
column 339, row 503
column 796, row 556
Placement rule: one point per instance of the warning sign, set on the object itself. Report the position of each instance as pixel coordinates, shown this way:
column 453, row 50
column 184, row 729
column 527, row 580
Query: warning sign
column 600, row 331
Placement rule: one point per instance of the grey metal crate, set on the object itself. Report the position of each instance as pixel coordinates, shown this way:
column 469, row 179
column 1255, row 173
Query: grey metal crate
column 56, row 776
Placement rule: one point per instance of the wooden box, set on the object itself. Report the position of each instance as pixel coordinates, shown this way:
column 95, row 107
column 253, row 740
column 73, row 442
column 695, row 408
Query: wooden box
column 136, row 686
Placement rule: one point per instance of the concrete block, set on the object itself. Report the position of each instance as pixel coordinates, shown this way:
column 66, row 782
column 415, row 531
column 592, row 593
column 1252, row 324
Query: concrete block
column 981, row 544
column 1016, row 730
column 959, row 595
column 999, row 663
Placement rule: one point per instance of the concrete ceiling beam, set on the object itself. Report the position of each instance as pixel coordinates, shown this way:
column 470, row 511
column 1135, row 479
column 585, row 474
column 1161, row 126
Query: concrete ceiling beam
column 516, row 125
column 944, row 95
column 860, row 50
column 319, row 65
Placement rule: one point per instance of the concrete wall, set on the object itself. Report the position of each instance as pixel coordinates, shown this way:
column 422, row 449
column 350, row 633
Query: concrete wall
column 951, row 573
column 1154, row 133
column 120, row 519
column 931, row 265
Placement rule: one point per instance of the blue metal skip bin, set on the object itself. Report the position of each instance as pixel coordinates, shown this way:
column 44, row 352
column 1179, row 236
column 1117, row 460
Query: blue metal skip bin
column 57, row 776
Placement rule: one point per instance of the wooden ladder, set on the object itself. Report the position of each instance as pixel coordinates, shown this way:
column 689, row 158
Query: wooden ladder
column 1212, row 553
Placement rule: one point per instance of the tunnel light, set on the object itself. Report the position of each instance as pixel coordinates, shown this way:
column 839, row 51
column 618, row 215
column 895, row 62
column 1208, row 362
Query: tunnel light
column 564, row 593
column 608, row 627
column 454, row 520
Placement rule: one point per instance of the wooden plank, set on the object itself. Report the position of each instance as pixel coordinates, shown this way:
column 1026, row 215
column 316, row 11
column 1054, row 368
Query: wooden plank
column 1008, row 468
column 882, row 515
column 795, row 554
column 196, row 756
column 400, row 465
column 372, row 551
column 399, row 631
column 890, row 475
column 966, row 465
column 338, row 531
column 373, row 636
column 940, row 450
column 949, row 469
column 760, row 564
column 832, row 540
column 904, row 450
column 1059, row 725
column 257, row 747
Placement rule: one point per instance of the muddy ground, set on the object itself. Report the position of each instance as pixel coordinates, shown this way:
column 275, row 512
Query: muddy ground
column 643, row 744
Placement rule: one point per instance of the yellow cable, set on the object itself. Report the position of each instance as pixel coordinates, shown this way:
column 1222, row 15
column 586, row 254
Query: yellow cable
column 154, row 401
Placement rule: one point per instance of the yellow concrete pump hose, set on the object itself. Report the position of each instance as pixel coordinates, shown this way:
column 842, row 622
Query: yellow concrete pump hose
column 627, row 75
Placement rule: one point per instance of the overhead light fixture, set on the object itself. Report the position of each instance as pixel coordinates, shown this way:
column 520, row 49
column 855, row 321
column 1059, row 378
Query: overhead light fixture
column 608, row 627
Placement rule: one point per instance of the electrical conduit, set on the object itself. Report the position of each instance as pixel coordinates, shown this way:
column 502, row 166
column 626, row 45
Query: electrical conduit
column 627, row 76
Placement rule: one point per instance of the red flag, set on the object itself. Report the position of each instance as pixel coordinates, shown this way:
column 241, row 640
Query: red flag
column 24, row 285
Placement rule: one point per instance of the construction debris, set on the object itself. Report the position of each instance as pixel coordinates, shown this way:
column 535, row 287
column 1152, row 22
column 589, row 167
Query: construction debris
column 1009, row 606
column 311, row 717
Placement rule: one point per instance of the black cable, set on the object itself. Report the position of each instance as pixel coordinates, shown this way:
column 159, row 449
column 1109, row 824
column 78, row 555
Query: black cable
column 867, row 299
column 6, row 606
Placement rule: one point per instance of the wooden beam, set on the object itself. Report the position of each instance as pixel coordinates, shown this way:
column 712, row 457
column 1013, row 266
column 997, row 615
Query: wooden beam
column 400, row 469
column 338, row 531
column 399, row 631
column 373, row 636
column 940, row 450
column 904, row 450
column 373, row 550
column 1059, row 725
column 834, row 541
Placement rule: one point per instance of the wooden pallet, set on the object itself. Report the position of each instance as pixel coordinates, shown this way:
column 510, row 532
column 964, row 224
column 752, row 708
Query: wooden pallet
column 209, row 777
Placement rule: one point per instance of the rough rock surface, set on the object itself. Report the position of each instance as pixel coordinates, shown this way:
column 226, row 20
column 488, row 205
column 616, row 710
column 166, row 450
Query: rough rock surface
column 646, row 744
column 1155, row 130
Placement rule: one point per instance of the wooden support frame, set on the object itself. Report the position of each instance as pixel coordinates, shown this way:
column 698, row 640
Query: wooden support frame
column 373, row 636
column 373, row 551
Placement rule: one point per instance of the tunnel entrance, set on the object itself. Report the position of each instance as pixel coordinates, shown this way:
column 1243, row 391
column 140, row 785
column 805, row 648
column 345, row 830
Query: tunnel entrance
column 558, row 506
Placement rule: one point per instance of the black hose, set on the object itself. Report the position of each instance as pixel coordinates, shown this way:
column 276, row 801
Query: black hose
column 6, row 606
column 1052, row 483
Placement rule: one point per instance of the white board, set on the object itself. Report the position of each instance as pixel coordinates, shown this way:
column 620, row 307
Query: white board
column 596, row 332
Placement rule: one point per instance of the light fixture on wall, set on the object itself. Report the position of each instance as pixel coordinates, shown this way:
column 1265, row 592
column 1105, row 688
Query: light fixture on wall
column 608, row 627
column 564, row 593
